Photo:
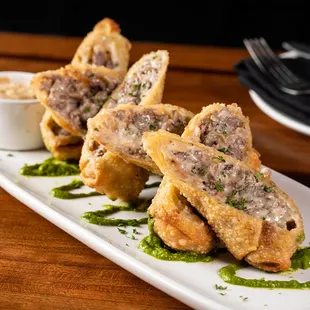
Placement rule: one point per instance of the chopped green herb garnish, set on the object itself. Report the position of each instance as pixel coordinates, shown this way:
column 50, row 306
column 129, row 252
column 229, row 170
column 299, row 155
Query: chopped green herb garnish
column 225, row 133
column 10, row 155
column 223, row 150
column 99, row 101
column 268, row 189
column 263, row 218
column 223, row 294
column 135, row 231
column 221, row 158
column 136, row 86
column 258, row 175
column 122, row 231
column 219, row 186
column 152, row 127
column 220, row 287
column 238, row 204
column 232, row 202
column 127, row 244
column 96, row 129
column 87, row 109
column 223, row 174
column 143, row 85
column 89, row 203
column 244, row 298
column 154, row 57
column 133, row 237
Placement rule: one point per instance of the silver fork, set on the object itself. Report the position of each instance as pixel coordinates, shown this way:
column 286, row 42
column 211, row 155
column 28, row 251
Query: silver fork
column 270, row 64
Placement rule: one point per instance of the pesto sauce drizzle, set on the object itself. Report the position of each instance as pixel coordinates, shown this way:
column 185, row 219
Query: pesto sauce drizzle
column 300, row 260
column 154, row 246
column 62, row 192
column 51, row 167
column 99, row 217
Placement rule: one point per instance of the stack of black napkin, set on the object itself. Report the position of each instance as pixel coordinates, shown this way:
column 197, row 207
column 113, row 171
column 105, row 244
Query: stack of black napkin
column 296, row 107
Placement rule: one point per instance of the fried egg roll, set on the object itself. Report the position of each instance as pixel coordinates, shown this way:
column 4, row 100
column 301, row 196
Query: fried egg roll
column 104, row 46
column 255, row 219
column 109, row 174
column 120, row 129
column 144, row 81
column 223, row 127
column 177, row 223
column 74, row 94
column 104, row 170
column 62, row 144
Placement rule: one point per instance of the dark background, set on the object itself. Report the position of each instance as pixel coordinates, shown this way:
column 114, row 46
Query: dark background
column 221, row 23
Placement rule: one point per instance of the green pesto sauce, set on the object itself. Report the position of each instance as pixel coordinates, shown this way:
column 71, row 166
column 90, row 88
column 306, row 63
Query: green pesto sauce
column 300, row 260
column 99, row 217
column 63, row 192
column 154, row 246
column 51, row 167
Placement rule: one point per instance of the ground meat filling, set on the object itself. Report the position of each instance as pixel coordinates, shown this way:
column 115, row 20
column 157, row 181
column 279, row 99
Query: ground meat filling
column 77, row 101
column 60, row 132
column 234, row 185
column 96, row 148
column 103, row 58
column 225, row 132
column 139, row 83
column 131, row 127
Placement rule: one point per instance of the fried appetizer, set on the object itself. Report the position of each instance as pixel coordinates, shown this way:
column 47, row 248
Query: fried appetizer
column 144, row 81
column 151, row 69
column 120, row 129
column 74, row 94
column 104, row 46
column 109, row 174
column 58, row 141
column 224, row 128
column 255, row 219
column 177, row 224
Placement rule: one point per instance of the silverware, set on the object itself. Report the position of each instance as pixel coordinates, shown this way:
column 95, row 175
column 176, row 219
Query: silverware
column 271, row 65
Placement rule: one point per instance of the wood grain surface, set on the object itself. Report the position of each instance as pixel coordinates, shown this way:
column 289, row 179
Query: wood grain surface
column 42, row 267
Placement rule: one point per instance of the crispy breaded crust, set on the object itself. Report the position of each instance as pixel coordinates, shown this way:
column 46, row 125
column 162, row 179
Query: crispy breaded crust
column 77, row 72
column 244, row 236
column 176, row 223
column 102, row 128
column 110, row 175
column 106, row 34
column 62, row 147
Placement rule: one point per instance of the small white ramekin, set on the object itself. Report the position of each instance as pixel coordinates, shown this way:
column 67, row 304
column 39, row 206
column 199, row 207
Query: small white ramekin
column 20, row 119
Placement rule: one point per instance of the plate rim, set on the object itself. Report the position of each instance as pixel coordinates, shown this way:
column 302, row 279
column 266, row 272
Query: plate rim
column 276, row 115
column 151, row 276
column 143, row 271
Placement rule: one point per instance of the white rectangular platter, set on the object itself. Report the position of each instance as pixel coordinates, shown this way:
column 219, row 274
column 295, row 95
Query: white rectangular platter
column 191, row 283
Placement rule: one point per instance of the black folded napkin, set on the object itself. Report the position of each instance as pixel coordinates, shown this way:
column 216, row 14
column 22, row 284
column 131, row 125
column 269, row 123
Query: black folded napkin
column 296, row 107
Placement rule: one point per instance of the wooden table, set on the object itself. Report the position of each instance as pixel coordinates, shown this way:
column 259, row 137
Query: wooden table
column 42, row 267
